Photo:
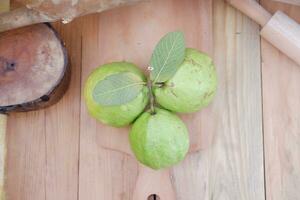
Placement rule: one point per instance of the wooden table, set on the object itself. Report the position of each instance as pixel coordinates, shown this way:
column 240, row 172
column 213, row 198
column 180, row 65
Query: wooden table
column 255, row 149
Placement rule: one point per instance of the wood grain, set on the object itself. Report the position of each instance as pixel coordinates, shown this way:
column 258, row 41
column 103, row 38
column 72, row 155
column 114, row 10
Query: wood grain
column 103, row 174
column 281, row 85
column 42, row 11
column 279, row 30
column 43, row 146
column 4, row 7
column 153, row 182
column 3, row 125
column 252, row 9
column 63, row 126
column 232, row 168
column 26, row 158
column 131, row 33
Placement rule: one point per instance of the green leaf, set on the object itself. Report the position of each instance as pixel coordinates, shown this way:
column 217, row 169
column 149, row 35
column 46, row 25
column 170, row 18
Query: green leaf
column 118, row 89
column 167, row 56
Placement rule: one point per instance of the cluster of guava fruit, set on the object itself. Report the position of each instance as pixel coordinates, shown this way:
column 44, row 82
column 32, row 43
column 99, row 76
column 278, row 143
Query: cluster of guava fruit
column 182, row 80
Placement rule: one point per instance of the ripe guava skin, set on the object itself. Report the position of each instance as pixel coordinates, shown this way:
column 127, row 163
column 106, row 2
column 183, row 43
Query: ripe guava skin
column 120, row 115
column 159, row 140
column 192, row 87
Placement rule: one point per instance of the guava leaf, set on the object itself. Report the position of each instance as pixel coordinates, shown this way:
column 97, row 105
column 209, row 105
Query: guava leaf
column 167, row 56
column 117, row 89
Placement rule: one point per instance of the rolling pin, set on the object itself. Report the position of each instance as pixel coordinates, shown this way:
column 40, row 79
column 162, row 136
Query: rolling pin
column 33, row 74
column 280, row 30
column 294, row 2
column 40, row 11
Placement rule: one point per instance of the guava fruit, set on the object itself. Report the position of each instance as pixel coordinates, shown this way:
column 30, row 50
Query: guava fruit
column 116, row 115
column 192, row 87
column 159, row 140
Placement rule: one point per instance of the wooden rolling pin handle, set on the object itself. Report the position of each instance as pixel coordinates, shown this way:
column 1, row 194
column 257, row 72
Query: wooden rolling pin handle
column 280, row 30
column 252, row 9
column 151, row 182
column 3, row 123
column 294, row 2
column 284, row 33
column 21, row 17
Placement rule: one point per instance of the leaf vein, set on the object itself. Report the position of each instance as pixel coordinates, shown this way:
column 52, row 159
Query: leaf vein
column 168, row 56
column 121, row 88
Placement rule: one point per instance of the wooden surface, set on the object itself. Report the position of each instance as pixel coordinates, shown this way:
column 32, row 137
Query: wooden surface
column 144, row 21
column 152, row 182
column 42, row 160
column 3, row 125
column 252, row 9
column 134, row 41
column 4, row 7
column 56, row 153
column 279, row 30
column 281, row 100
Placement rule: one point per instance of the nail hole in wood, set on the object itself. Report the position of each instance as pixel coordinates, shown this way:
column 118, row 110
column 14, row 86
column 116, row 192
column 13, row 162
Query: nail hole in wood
column 10, row 66
column 153, row 197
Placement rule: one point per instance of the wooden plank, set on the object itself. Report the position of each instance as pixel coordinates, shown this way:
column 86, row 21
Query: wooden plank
column 232, row 168
column 236, row 160
column 103, row 174
column 26, row 158
column 26, row 150
column 131, row 34
column 281, row 86
column 43, row 146
column 4, row 7
column 62, row 125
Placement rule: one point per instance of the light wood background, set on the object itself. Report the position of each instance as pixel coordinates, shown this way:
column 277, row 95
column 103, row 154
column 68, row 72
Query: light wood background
column 281, row 102
column 253, row 145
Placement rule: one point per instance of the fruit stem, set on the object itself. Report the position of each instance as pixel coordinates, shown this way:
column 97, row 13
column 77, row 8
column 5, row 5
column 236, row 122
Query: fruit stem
column 151, row 96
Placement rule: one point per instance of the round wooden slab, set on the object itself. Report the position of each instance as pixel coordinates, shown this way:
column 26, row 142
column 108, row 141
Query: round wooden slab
column 33, row 66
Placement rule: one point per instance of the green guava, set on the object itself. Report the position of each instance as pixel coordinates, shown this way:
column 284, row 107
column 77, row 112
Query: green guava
column 192, row 87
column 159, row 140
column 117, row 115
